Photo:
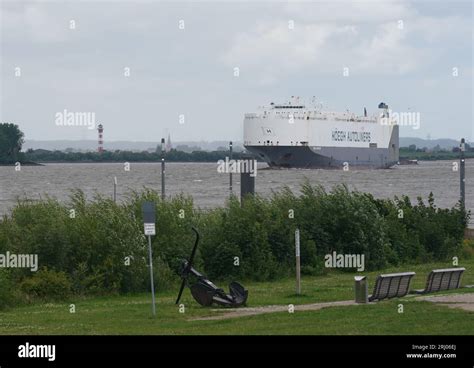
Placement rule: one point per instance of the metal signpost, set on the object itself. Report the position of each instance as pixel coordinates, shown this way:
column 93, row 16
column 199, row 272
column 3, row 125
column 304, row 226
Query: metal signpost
column 148, row 210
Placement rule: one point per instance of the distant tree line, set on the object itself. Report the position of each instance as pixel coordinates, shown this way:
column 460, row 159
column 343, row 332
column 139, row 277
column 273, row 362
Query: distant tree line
column 437, row 148
column 436, row 153
column 41, row 155
column 11, row 141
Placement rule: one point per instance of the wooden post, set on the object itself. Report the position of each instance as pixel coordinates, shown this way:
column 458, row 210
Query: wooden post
column 115, row 189
column 230, row 174
column 247, row 185
column 149, row 221
column 150, row 255
column 462, row 174
column 298, row 264
column 162, row 169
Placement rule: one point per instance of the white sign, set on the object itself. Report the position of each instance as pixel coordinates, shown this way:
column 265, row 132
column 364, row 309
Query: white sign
column 150, row 229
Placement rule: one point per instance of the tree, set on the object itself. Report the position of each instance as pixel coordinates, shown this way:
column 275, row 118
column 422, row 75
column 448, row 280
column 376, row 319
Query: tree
column 11, row 140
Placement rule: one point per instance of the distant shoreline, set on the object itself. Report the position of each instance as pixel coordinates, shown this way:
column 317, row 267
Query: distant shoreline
column 44, row 163
column 25, row 164
column 42, row 157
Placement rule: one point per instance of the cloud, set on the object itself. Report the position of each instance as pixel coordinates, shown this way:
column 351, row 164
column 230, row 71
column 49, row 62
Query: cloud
column 191, row 71
column 388, row 52
column 35, row 22
column 389, row 38
column 368, row 11
column 274, row 47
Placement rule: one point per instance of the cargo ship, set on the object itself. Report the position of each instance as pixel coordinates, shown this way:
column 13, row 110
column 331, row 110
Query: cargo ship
column 291, row 135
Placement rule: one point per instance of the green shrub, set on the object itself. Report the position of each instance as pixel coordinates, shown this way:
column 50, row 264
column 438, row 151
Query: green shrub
column 99, row 247
column 245, row 230
column 174, row 219
column 164, row 277
column 46, row 285
column 345, row 222
column 8, row 294
column 467, row 248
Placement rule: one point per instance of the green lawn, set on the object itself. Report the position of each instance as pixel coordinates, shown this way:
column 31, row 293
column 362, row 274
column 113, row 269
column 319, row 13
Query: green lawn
column 132, row 314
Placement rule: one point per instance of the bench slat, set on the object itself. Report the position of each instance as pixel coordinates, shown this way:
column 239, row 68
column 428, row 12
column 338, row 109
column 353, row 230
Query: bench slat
column 391, row 285
column 443, row 279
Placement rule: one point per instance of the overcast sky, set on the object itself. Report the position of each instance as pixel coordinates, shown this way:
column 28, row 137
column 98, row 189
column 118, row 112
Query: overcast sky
column 399, row 52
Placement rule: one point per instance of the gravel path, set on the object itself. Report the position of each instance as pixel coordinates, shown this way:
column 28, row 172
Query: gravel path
column 463, row 301
column 244, row 312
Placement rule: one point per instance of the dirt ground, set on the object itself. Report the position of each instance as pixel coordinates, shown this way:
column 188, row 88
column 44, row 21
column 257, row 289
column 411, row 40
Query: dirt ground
column 463, row 301
column 243, row 312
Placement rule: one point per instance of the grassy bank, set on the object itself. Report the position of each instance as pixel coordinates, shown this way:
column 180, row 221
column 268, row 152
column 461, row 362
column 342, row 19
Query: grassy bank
column 131, row 314
column 96, row 247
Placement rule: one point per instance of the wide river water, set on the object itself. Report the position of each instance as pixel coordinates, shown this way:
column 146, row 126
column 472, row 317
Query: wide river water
column 210, row 188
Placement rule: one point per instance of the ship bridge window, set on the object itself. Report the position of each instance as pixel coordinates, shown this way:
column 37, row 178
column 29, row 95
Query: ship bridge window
column 289, row 107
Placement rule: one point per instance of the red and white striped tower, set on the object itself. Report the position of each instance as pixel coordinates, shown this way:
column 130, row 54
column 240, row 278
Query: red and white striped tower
column 100, row 129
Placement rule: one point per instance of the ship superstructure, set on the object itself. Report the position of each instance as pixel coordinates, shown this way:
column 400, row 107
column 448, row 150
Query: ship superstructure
column 293, row 135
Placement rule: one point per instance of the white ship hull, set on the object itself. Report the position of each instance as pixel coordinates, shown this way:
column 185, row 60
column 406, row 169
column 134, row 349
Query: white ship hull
column 304, row 138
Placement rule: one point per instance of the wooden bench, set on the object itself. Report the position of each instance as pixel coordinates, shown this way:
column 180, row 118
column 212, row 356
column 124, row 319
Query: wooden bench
column 444, row 279
column 393, row 285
